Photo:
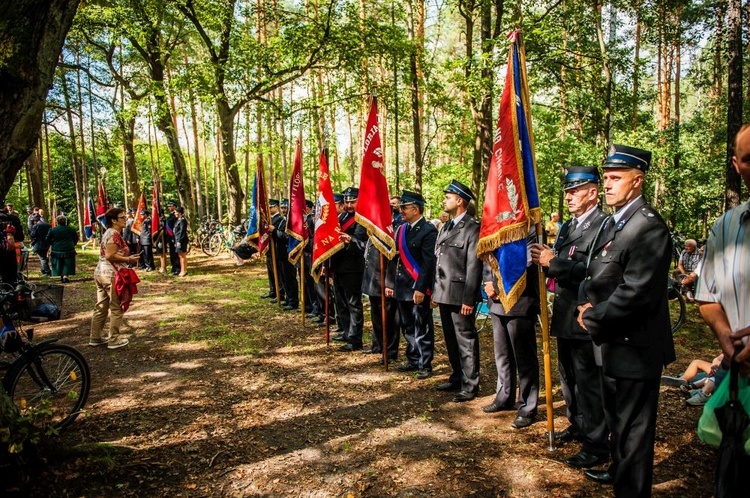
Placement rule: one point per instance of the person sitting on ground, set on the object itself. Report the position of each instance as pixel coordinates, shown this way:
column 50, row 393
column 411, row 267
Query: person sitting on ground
column 695, row 374
column 687, row 268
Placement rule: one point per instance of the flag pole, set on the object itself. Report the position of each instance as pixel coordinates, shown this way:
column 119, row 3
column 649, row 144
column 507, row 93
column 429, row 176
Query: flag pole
column 302, row 286
column 384, row 327
column 328, row 297
column 275, row 273
column 544, row 315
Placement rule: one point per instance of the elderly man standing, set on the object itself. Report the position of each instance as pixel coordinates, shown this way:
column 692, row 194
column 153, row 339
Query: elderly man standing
column 625, row 310
column 458, row 276
column 578, row 359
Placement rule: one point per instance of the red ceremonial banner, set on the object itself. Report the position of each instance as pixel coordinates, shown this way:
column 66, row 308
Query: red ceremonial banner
column 139, row 217
column 296, row 227
column 326, row 236
column 260, row 228
column 373, row 206
column 155, row 213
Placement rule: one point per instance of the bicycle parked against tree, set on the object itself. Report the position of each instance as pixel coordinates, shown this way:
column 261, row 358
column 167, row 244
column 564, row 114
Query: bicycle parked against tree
column 223, row 239
column 47, row 382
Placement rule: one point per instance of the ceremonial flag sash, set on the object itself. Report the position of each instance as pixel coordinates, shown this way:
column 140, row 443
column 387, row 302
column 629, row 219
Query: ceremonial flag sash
column 407, row 258
column 296, row 227
column 88, row 218
column 138, row 220
column 511, row 200
column 258, row 233
column 327, row 229
column 348, row 223
column 373, row 205
column 155, row 213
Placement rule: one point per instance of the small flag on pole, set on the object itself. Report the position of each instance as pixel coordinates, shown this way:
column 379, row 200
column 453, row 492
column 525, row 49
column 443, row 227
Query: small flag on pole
column 155, row 213
column 259, row 227
column 139, row 216
column 89, row 218
column 101, row 205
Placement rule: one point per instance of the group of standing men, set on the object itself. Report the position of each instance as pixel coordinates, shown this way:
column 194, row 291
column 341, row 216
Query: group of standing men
column 610, row 312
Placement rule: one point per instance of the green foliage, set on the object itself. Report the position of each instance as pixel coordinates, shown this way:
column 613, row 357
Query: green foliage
column 15, row 431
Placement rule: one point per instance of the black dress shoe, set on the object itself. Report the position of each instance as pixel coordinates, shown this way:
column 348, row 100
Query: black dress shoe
column 407, row 367
column 448, row 386
column 339, row 338
column 464, row 396
column 423, row 373
column 372, row 351
column 496, row 407
column 268, row 296
column 337, row 329
column 522, row 422
column 568, row 435
column 600, row 476
column 311, row 315
column 289, row 307
column 585, row 460
column 390, row 359
column 348, row 348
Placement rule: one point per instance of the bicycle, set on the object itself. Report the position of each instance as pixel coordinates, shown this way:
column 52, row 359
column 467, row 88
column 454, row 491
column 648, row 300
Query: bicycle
column 223, row 239
column 677, row 310
column 47, row 382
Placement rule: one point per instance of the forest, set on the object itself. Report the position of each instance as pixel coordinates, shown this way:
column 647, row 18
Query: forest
column 193, row 93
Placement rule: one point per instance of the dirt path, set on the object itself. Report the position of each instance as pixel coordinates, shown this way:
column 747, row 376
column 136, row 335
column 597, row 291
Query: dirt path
column 220, row 394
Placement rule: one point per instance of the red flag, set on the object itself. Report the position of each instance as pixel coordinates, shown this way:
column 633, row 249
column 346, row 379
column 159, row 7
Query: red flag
column 296, row 227
column 259, row 227
column 327, row 229
column 101, row 205
column 139, row 216
column 155, row 213
column 373, row 205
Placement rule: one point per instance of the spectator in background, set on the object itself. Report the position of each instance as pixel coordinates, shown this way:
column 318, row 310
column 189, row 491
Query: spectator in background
column 131, row 238
column 687, row 268
column 38, row 236
column 147, row 248
column 181, row 239
column 552, row 227
column 62, row 240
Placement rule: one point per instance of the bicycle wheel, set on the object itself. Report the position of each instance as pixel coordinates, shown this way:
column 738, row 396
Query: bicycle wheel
column 676, row 311
column 215, row 245
column 49, row 384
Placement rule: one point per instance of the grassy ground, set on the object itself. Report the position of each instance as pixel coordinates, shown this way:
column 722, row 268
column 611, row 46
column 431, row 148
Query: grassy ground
column 222, row 394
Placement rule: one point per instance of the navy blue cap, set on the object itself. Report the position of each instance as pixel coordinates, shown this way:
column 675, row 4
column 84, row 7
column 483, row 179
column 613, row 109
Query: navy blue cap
column 408, row 197
column 273, row 202
column 309, row 203
column 171, row 203
column 285, row 203
column 351, row 194
column 622, row 156
column 338, row 198
column 580, row 175
column 460, row 190
column 144, row 211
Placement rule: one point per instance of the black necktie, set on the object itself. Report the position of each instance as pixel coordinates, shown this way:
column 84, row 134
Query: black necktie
column 573, row 225
column 408, row 228
column 450, row 226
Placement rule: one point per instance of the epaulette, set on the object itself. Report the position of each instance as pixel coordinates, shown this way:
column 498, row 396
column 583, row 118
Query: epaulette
column 648, row 213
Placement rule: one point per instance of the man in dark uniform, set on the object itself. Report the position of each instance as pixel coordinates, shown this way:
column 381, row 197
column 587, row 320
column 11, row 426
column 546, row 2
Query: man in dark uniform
column 411, row 276
column 287, row 271
column 146, row 241
column 515, row 349
column 171, row 220
column 371, row 280
column 273, row 205
column 579, row 361
column 313, row 305
column 38, row 236
column 458, row 276
column 348, row 266
column 625, row 310
column 130, row 237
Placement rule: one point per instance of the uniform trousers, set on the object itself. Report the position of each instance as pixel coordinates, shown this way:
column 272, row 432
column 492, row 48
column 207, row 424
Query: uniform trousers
column 419, row 332
column 515, row 350
column 174, row 259
column 630, row 410
column 147, row 257
column 289, row 276
column 580, row 379
column 349, row 305
column 462, row 343
column 391, row 317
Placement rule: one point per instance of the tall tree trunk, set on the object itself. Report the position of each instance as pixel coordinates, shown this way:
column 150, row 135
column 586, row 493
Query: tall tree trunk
column 606, row 132
column 416, row 35
column 33, row 36
column 636, row 65
column 36, row 177
column 196, row 153
column 734, row 99
column 74, row 150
